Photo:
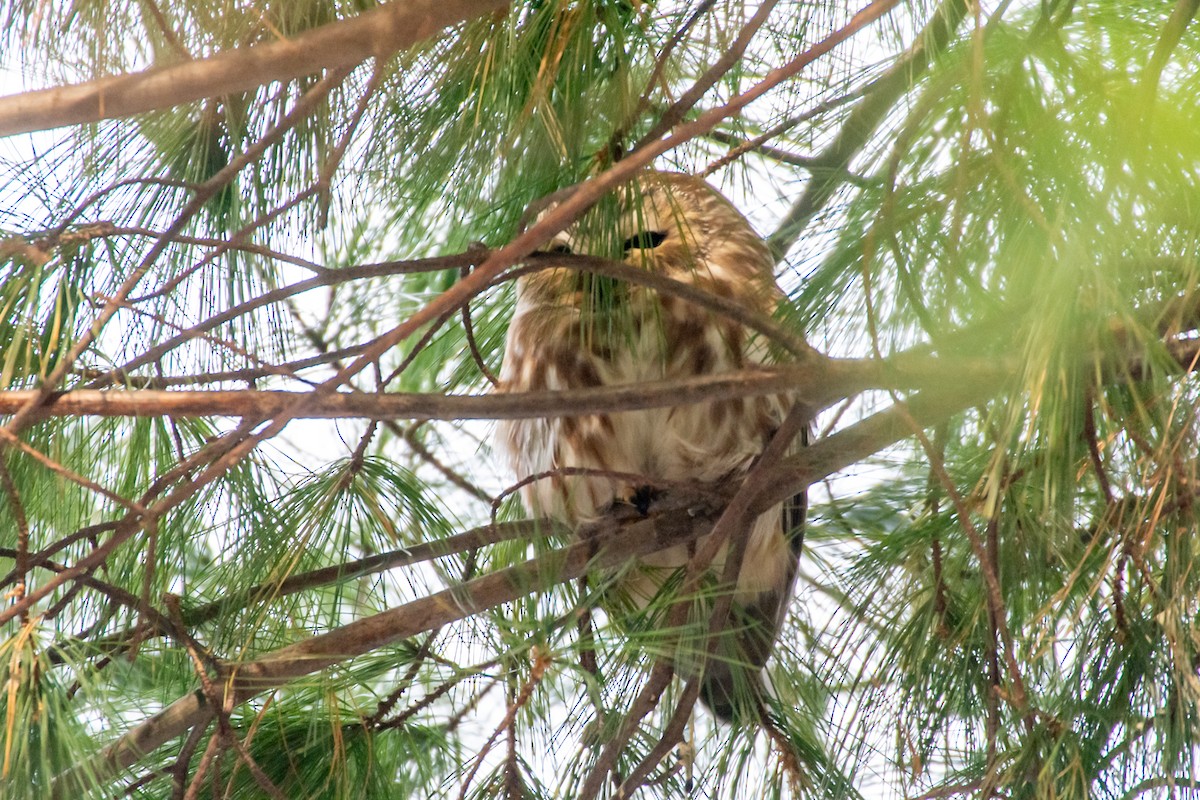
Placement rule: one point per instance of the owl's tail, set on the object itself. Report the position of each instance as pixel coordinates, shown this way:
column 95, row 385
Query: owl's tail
column 732, row 686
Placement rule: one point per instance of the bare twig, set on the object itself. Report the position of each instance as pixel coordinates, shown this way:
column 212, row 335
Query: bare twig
column 107, row 229
column 741, row 147
column 17, row 508
column 11, row 440
column 429, row 699
column 409, row 434
column 469, row 331
column 327, row 278
column 60, row 232
column 647, row 699
column 664, row 285
column 403, row 684
column 211, row 752
column 537, row 672
column 660, row 63
column 988, row 566
column 671, row 736
column 728, row 59
column 183, row 762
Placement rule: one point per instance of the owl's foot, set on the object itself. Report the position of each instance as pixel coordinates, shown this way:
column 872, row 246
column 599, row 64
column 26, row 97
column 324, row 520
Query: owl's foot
column 642, row 497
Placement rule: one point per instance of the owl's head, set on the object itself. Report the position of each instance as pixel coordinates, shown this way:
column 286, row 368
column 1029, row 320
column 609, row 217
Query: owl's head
column 663, row 221
column 669, row 223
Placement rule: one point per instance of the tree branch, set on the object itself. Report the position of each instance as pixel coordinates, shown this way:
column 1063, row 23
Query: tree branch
column 732, row 56
column 816, row 383
column 379, row 33
column 606, row 544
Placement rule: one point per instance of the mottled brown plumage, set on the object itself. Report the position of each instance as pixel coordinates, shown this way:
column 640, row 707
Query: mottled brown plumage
column 573, row 330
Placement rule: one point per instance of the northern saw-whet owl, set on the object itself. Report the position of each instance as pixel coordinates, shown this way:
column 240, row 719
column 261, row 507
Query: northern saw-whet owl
column 573, row 330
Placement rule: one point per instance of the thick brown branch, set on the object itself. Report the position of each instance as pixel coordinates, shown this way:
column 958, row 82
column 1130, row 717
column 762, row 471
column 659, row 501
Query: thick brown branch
column 376, row 33
column 815, row 385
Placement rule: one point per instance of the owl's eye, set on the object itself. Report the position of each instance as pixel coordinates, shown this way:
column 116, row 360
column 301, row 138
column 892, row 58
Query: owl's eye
column 559, row 248
column 645, row 240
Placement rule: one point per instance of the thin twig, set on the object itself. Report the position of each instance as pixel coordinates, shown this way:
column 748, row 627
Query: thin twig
column 269, row 592
column 1093, row 443
column 989, row 568
column 329, row 278
column 741, row 147
column 409, row 434
column 179, row 770
column 469, row 331
column 678, row 110
column 404, row 684
column 671, row 736
column 60, row 231
column 210, row 752
column 9, row 438
column 88, row 532
column 660, row 63
column 21, row 567
column 647, row 699
column 537, row 672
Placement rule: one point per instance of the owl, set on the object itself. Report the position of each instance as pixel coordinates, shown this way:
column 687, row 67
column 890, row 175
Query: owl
column 572, row 330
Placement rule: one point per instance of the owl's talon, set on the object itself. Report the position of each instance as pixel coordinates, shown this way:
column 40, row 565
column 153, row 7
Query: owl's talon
column 642, row 497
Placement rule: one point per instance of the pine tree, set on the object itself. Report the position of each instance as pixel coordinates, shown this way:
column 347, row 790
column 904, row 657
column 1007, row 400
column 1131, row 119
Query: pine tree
column 257, row 265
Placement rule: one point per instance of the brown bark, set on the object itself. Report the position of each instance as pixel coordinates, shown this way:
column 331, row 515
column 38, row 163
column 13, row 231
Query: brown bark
column 377, row 33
